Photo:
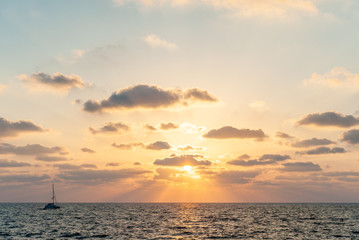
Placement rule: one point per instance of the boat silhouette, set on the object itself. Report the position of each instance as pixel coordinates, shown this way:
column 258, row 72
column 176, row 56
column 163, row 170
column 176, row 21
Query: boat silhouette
column 53, row 204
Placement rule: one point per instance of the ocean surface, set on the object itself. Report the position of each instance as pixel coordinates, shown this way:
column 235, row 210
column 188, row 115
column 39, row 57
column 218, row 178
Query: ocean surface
column 179, row 221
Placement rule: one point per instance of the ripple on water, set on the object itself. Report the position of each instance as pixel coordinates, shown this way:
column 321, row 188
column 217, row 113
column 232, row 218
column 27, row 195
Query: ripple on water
column 180, row 221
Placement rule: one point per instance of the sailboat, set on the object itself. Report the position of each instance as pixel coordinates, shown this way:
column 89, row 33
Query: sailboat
column 53, row 204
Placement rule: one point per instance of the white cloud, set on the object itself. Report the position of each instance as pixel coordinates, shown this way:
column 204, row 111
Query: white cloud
column 155, row 42
column 259, row 106
column 337, row 78
column 73, row 57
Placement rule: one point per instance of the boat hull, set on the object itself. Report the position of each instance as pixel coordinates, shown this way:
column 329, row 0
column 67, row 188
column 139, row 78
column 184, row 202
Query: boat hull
column 51, row 206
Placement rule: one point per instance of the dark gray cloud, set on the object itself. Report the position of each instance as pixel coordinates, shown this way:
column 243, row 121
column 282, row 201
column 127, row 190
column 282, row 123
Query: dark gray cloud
column 30, row 149
column 237, row 177
column 67, row 166
column 352, row 136
column 243, row 157
column 231, row 132
column 323, row 150
column 329, row 119
column 283, row 135
column 111, row 128
column 265, row 159
column 57, row 81
column 23, row 178
column 341, row 174
column 167, row 173
column 300, row 167
column 250, row 163
column 112, row 164
column 312, row 142
column 88, row 165
column 87, row 150
column 150, row 127
column 197, row 94
column 159, row 145
column 50, row 158
column 145, row 96
column 182, row 160
column 126, row 146
column 169, row 126
column 274, row 157
column 13, row 129
column 89, row 176
column 7, row 163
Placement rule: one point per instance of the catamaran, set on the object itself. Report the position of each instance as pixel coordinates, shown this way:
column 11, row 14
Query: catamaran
column 53, row 204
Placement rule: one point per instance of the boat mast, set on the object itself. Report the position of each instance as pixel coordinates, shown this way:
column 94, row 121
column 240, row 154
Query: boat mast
column 53, row 195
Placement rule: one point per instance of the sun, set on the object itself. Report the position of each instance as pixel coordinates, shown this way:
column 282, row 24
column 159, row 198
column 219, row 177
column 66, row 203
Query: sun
column 187, row 168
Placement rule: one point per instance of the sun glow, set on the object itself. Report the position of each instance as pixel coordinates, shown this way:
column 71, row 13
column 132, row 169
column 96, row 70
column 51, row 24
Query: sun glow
column 187, row 168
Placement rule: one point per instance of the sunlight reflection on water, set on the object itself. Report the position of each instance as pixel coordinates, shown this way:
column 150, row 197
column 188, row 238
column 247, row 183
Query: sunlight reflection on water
column 179, row 221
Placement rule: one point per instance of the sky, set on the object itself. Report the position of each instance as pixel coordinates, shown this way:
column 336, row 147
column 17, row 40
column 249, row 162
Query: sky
column 179, row 100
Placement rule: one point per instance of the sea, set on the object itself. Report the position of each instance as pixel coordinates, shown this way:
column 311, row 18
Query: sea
column 179, row 221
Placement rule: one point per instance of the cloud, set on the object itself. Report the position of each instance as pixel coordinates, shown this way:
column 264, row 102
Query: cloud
column 30, row 149
column 89, row 176
column 67, row 166
column 51, row 158
column 323, row 150
column 57, row 81
column 259, row 106
column 128, row 146
column 312, row 142
column 182, row 160
column 13, row 129
column 169, row 126
column 351, row 136
column 336, row 78
column 87, row 150
column 112, row 164
column 159, row 145
column 144, row 96
column 237, row 177
column 329, row 119
column 283, row 135
column 244, row 157
column 275, row 157
column 250, row 163
column 197, row 94
column 341, row 174
column 265, row 159
column 189, row 128
column 150, row 127
column 239, row 8
column 231, row 132
column 156, row 42
column 300, row 167
column 23, row 178
column 110, row 128
column 167, row 173
column 189, row 148
column 6, row 163
column 74, row 56
column 88, row 165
